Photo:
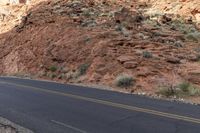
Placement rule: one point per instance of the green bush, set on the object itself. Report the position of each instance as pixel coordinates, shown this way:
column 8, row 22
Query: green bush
column 53, row 68
column 185, row 86
column 124, row 81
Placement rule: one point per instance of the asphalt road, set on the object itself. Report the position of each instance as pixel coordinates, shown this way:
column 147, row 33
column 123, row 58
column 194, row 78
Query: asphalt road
column 47, row 107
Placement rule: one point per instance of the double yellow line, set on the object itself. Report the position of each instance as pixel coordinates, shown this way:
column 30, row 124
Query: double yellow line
column 112, row 104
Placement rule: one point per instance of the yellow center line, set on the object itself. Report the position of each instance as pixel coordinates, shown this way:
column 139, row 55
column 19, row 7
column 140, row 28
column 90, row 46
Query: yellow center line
column 112, row 104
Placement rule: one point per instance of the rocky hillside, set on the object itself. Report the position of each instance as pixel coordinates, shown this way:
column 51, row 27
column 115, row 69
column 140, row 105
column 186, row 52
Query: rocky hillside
column 182, row 8
column 121, row 44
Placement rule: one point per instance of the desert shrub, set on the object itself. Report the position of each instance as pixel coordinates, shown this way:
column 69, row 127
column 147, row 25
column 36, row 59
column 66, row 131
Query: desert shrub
column 193, row 36
column 189, row 30
column 187, row 89
column 191, row 33
column 53, row 68
column 194, row 91
column 180, row 25
column 83, row 69
column 147, row 54
column 124, row 80
column 87, row 39
column 52, row 75
column 183, row 89
column 167, row 91
column 184, row 86
column 61, row 76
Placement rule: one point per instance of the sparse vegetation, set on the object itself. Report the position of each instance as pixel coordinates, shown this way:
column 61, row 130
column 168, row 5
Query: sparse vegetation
column 188, row 89
column 193, row 36
column 124, row 80
column 154, row 42
column 147, row 54
column 53, row 68
column 183, row 89
column 185, row 86
column 52, row 75
column 191, row 33
column 167, row 91
column 87, row 39
column 83, row 69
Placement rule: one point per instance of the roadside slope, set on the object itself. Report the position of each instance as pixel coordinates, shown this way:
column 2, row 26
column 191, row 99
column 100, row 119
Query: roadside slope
column 95, row 42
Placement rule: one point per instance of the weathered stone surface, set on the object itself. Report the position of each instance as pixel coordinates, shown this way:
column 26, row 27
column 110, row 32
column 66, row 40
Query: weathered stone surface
column 197, row 17
column 13, row 1
column 193, row 57
column 194, row 77
column 130, row 64
column 173, row 60
column 125, row 58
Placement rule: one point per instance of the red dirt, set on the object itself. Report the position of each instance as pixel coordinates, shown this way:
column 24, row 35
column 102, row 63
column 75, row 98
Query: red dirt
column 111, row 40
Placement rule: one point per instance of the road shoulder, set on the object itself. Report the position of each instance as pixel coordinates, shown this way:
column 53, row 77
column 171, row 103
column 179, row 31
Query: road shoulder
column 7, row 126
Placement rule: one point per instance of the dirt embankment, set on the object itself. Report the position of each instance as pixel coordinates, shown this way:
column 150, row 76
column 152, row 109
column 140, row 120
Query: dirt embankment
column 95, row 42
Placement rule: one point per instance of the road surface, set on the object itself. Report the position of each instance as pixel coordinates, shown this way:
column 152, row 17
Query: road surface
column 47, row 107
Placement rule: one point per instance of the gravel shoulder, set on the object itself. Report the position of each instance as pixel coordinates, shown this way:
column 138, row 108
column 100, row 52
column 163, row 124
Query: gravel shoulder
column 7, row 126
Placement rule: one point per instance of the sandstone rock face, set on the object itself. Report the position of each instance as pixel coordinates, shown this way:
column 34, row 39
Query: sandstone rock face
column 67, row 34
column 194, row 77
column 189, row 8
column 13, row 1
column 172, row 59
column 130, row 64
column 197, row 16
column 125, row 58
column 4, row 1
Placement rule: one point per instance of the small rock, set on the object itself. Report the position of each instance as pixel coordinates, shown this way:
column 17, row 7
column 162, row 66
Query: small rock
column 95, row 77
column 65, row 70
column 141, row 36
column 189, row 20
column 138, row 52
column 183, row 61
column 130, row 64
column 165, row 19
column 197, row 17
column 125, row 32
column 178, row 44
column 125, row 58
column 193, row 57
column 173, row 60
